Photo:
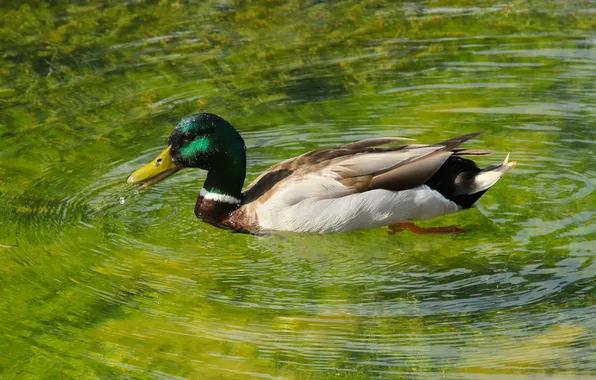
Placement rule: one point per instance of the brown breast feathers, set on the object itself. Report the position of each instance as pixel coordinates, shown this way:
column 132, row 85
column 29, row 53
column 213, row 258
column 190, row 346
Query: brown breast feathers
column 225, row 215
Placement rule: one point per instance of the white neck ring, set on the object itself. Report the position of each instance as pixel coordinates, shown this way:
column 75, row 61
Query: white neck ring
column 223, row 198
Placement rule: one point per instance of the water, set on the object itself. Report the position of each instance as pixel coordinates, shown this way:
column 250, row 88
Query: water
column 99, row 281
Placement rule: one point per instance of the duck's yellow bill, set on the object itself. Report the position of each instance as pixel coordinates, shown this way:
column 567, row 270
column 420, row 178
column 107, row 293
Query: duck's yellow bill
column 163, row 166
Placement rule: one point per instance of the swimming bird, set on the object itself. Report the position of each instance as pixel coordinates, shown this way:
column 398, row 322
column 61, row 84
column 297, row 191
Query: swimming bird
column 364, row 184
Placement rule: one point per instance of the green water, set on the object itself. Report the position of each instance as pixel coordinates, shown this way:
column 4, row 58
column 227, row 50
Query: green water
column 99, row 282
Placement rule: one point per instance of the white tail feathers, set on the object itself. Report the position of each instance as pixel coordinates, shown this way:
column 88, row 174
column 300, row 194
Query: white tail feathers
column 489, row 176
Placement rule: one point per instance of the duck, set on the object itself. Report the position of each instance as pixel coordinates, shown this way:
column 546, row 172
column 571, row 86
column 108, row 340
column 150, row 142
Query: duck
column 372, row 183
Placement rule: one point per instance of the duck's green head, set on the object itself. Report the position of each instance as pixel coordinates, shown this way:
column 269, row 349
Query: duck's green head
column 204, row 141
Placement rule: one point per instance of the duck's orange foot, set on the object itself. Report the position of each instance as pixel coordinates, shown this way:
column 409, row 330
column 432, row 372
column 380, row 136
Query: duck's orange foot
column 398, row 227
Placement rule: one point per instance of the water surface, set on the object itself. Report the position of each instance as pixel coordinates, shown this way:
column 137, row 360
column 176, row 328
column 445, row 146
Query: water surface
column 97, row 281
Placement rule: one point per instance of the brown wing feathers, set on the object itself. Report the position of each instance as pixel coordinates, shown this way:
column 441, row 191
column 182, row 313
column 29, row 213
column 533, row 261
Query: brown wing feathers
column 411, row 174
column 419, row 171
column 404, row 175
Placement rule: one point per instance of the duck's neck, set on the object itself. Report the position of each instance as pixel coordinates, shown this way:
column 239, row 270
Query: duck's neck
column 222, row 191
column 226, row 167
column 224, row 183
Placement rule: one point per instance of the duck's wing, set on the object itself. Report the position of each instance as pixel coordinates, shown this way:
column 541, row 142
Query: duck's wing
column 273, row 176
column 354, row 168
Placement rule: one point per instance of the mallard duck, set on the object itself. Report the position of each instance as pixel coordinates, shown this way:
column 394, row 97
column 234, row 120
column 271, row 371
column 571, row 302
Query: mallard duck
column 365, row 184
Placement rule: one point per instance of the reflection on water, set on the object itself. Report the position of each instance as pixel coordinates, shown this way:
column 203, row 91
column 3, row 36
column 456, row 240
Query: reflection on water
column 100, row 281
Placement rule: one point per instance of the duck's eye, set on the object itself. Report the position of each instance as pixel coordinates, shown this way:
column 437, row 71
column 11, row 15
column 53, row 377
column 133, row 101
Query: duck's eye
column 187, row 137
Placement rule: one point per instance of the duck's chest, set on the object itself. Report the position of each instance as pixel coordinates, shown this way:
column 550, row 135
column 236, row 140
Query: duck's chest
column 225, row 215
